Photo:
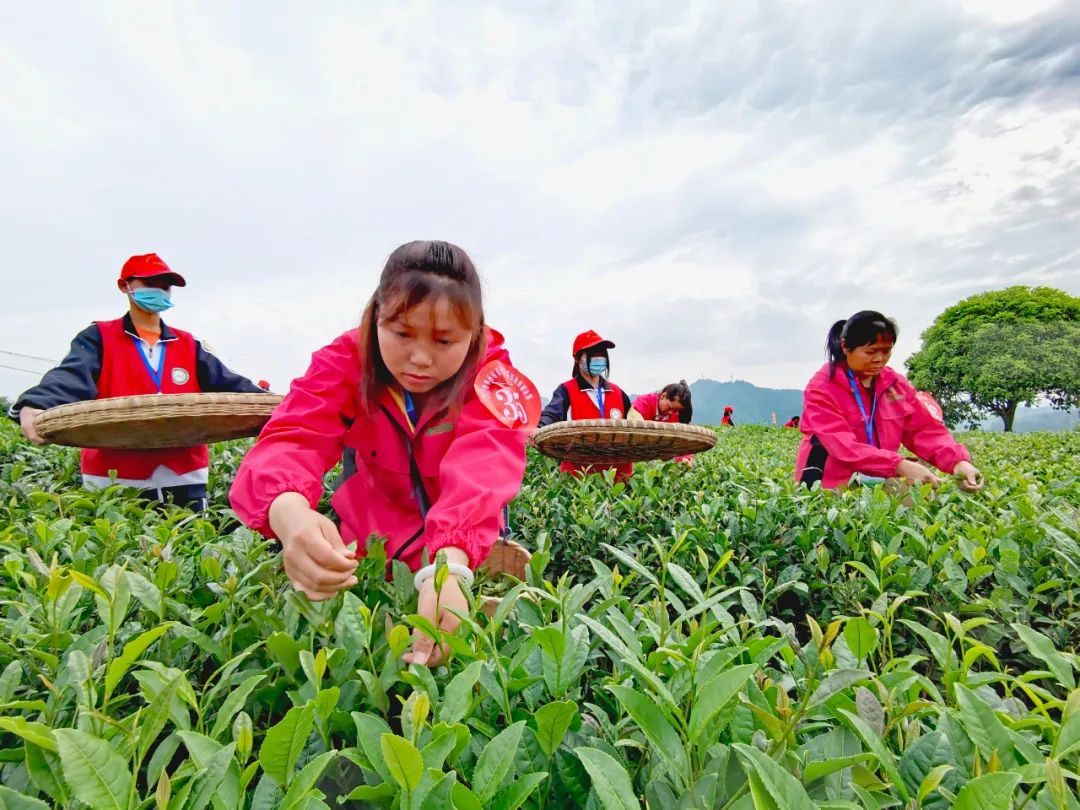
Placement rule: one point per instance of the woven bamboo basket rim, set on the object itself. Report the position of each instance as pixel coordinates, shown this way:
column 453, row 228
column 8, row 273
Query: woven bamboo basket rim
column 508, row 557
column 157, row 421
column 587, row 441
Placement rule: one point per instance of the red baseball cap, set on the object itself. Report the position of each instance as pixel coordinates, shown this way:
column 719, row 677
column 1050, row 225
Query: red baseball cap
column 590, row 340
column 149, row 265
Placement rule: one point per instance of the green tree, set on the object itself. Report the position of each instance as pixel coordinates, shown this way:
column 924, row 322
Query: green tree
column 993, row 351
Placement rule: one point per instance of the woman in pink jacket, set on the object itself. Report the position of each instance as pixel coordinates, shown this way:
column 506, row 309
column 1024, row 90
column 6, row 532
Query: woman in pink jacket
column 857, row 412
column 672, row 403
column 432, row 420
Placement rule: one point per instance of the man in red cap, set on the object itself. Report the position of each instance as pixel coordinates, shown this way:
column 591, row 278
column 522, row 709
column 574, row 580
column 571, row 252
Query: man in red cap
column 590, row 395
column 136, row 354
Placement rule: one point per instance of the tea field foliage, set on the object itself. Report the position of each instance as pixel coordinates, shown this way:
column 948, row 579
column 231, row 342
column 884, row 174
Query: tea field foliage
column 707, row 637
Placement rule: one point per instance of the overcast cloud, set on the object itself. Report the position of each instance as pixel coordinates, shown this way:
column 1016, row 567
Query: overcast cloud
column 708, row 184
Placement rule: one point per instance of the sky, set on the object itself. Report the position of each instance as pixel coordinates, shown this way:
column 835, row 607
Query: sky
column 709, row 185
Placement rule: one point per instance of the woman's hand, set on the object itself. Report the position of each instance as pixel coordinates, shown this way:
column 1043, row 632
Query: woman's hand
column 433, row 607
column 27, row 415
column 915, row 473
column 317, row 562
column 969, row 477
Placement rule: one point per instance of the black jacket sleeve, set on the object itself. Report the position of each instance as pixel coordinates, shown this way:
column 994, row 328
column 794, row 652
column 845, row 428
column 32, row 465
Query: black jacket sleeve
column 74, row 380
column 626, row 404
column 216, row 377
column 557, row 409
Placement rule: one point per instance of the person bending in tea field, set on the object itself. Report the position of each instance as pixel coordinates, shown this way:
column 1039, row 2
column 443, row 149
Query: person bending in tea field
column 670, row 404
column 137, row 354
column 857, row 412
column 423, row 399
column 588, row 394
column 727, row 420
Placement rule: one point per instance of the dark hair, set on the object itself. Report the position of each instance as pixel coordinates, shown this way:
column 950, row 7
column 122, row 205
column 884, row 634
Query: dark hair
column 591, row 352
column 414, row 273
column 681, row 392
column 861, row 329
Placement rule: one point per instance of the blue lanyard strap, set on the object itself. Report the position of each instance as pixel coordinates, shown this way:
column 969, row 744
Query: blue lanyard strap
column 600, row 396
column 410, row 408
column 155, row 375
column 868, row 422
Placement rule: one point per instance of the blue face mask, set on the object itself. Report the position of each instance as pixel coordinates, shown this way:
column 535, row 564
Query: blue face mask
column 151, row 300
column 598, row 366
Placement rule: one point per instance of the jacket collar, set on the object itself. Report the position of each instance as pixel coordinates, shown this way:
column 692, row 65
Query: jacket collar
column 583, row 384
column 885, row 380
column 167, row 334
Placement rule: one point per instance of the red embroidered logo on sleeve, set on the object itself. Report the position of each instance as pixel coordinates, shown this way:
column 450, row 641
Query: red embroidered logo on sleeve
column 508, row 394
column 930, row 405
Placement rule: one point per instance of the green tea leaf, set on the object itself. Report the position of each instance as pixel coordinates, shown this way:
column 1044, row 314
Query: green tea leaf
column 97, row 774
column 877, row 747
column 784, row 788
column 131, row 653
column 715, row 694
column 1043, row 648
column 46, row 773
column 234, row 703
column 305, row 780
column 369, row 731
column 992, row 791
column 495, row 761
column 609, row 779
column 517, row 792
column 861, row 637
column 37, row 733
column 10, row 800
column 404, row 762
column 458, row 695
column 837, row 681
column 819, row 769
column 985, row 729
column 931, row 782
column 552, row 722
column 10, row 680
column 284, row 742
column 664, row 738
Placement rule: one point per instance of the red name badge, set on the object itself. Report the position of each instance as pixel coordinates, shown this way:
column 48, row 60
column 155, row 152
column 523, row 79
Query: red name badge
column 508, row 394
column 931, row 405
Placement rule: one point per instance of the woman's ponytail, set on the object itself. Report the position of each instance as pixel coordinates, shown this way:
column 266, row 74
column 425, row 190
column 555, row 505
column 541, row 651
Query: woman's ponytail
column 834, row 349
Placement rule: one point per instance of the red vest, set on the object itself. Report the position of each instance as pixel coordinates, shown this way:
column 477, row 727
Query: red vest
column 583, row 406
column 125, row 373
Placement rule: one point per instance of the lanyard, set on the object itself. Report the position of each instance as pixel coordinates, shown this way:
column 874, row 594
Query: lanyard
column 154, row 375
column 410, row 409
column 600, row 396
column 868, row 422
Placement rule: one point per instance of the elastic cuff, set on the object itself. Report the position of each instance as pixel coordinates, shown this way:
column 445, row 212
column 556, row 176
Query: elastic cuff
column 263, row 523
column 467, row 541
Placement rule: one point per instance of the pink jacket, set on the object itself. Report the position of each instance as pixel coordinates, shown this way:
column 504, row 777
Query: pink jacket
column 471, row 466
column 648, row 406
column 834, row 444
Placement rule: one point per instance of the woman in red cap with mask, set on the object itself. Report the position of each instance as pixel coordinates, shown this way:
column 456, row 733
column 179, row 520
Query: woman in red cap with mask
column 588, row 394
column 728, row 421
column 136, row 354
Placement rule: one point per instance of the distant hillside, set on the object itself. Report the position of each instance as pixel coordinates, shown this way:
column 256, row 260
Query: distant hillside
column 752, row 405
column 1029, row 420
column 755, row 405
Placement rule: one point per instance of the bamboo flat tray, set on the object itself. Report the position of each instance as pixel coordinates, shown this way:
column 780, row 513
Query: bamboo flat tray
column 157, row 421
column 619, row 441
